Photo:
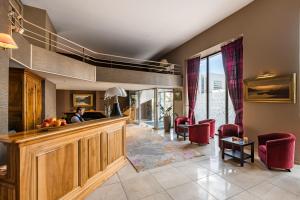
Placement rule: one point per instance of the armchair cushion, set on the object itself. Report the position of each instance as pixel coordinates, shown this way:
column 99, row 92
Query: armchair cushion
column 229, row 130
column 199, row 133
column 262, row 148
column 212, row 124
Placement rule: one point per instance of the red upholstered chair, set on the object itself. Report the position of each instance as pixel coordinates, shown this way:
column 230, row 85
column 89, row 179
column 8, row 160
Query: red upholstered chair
column 212, row 124
column 180, row 120
column 229, row 130
column 199, row 133
column 277, row 150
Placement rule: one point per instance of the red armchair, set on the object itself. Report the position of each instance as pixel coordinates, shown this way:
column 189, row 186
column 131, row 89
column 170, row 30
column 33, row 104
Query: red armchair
column 180, row 120
column 212, row 124
column 229, row 130
column 199, row 133
column 277, row 150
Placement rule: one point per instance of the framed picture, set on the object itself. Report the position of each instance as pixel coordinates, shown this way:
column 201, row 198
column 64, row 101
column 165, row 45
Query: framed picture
column 177, row 95
column 280, row 89
column 83, row 100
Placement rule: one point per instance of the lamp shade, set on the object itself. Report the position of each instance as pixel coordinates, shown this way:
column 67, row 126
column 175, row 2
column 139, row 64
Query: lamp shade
column 115, row 91
column 7, row 42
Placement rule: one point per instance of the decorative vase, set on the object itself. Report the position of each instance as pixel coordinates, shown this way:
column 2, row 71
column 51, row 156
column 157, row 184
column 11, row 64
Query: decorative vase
column 107, row 111
column 167, row 123
column 116, row 111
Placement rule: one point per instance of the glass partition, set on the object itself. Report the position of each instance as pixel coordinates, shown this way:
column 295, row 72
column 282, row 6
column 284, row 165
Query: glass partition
column 149, row 107
column 134, row 106
column 146, row 107
column 165, row 102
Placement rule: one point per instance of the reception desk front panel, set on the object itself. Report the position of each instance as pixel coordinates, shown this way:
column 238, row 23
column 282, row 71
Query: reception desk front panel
column 67, row 163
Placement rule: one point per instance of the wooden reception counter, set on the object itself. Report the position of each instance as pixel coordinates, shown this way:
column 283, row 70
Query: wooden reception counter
column 65, row 163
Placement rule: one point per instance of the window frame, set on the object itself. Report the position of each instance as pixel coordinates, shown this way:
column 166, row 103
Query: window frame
column 207, row 87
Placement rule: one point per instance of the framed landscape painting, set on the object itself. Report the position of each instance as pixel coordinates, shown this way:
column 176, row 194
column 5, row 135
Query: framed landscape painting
column 280, row 89
column 177, row 95
column 83, row 100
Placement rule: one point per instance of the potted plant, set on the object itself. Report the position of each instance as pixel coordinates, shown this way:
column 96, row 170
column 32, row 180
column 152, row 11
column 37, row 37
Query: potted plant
column 166, row 115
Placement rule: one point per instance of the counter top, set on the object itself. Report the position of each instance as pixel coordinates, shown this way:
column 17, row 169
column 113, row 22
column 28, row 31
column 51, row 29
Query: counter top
column 32, row 135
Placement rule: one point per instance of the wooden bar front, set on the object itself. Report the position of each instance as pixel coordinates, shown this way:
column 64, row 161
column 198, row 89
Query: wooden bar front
column 65, row 163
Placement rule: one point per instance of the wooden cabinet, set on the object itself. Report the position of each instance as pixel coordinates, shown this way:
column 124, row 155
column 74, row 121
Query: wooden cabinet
column 25, row 100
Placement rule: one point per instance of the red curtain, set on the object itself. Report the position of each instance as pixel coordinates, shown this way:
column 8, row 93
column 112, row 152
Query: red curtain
column 193, row 66
column 232, row 54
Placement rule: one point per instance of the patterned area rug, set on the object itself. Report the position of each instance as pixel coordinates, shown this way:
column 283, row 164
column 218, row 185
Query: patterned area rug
column 147, row 149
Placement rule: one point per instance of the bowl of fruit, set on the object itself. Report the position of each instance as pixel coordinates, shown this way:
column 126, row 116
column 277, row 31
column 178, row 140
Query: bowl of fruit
column 52, row 123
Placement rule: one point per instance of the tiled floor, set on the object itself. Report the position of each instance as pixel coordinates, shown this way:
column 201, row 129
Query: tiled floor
column 206, row 177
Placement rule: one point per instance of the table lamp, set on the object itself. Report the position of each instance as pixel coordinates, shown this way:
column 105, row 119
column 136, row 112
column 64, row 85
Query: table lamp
column 115, row 92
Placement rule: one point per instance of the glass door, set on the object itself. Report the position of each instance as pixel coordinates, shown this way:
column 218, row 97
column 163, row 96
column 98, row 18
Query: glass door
column 134, row 106
column 217, row 90
column 165, row 106
column 146, row 107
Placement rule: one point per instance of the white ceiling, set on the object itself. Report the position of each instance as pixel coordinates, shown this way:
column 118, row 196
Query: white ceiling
column 135, row 28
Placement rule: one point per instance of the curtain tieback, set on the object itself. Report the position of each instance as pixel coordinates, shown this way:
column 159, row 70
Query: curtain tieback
column 239, row 111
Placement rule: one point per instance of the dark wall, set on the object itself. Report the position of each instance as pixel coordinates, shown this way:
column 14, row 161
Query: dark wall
column 64, row 101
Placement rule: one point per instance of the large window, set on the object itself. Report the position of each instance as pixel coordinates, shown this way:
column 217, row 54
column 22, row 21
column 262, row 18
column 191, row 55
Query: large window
column 201, row 104
column 213, row 100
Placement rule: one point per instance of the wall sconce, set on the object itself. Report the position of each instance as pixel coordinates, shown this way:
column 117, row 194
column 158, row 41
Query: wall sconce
column 266, row 75
column 7, row 42
column 18, row 29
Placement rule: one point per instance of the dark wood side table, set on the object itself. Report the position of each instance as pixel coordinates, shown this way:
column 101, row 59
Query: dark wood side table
column 185, row 133
column 238, row 152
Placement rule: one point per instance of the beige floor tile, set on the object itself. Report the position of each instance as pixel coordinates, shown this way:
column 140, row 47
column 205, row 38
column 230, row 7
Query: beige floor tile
column 189, row 191
column 217, row 165
column 128, row 172
column 159, row 196
column 213, row 164
column 248, row 178
column 244, row 196
column 158, row 169
column 179, row 164
column 141, row 186
column 194, row 171
column 219, row 187
column 287, row 182
column 109, row 192
column 295, row 172
column 112, row 180
column 257, row 168
column 170, row 178
column 268, row 191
